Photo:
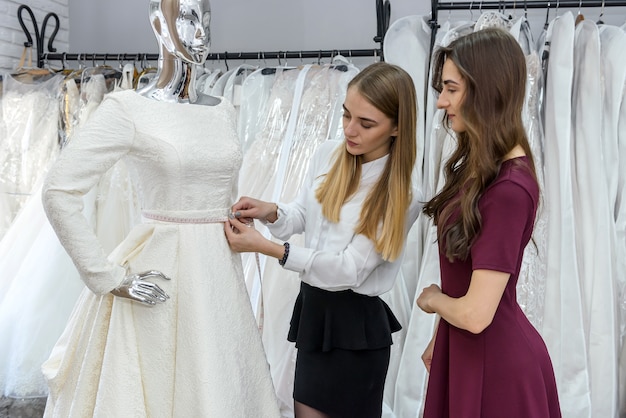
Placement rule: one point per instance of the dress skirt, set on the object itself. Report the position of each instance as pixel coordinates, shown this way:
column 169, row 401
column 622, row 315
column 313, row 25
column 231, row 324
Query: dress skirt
column 343, row 341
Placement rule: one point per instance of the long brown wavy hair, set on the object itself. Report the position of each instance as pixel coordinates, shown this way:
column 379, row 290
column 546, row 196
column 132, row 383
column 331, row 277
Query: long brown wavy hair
column 493, row 66
column 383, row 215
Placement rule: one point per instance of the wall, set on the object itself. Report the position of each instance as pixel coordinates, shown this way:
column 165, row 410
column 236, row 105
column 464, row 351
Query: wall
column 121, row 26
column 247, row 25
column 12, row 36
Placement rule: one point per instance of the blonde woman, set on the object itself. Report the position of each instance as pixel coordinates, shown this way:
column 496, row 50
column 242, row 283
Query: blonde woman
column 355, row 210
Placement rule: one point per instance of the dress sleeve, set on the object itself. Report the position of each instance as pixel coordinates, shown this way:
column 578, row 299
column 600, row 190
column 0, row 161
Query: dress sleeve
column 507, row 213
column 105, row 138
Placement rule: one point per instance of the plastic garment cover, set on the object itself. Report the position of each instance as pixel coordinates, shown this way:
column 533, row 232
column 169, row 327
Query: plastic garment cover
column 563, row 327
column 594, row 221
column 29, row 139
column 40, row 284
column 532, row 278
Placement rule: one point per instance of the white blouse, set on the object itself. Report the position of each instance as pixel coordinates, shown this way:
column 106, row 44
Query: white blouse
column 335, row 257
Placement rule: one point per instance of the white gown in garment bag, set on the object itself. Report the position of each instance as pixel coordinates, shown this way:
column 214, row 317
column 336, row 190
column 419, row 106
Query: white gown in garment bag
column 595, row 225
column 563, row 326
column 532, row 278
column 621, row 244
column 613, row 43
column 199, row 354
column 29, row 115
column 42, row 290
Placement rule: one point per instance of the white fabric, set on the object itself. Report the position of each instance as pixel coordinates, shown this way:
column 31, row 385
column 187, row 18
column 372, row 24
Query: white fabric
column 612, row 43
column 29, row 119
column 43, row 287
column 593, row 217
column 621, row 247
column 200, row 352
column 407, row 44
column 563, row 326
column 532, row 277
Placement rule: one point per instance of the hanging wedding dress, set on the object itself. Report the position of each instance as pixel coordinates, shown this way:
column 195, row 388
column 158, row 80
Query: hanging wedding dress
column 563, row 325
column 613, row 43
column 232, row 87
column 532, row 277
column 264, row 119
column 42, row 290
column 621, row 244
column 593, row 217
column 30, row 114
column 255, row 92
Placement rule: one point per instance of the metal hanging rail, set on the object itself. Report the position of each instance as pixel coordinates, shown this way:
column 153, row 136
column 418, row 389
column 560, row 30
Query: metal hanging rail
column 436, row 5
column 216, row 56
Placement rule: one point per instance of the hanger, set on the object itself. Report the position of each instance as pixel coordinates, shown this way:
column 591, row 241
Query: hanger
column 545, row 25
column 579, row 17
column 526, row 10
column 600, row 21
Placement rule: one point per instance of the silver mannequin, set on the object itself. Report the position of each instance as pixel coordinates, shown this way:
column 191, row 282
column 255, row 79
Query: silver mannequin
column 182, row 30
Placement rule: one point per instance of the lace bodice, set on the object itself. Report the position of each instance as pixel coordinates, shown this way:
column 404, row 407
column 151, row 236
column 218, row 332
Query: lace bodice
column 186, row 159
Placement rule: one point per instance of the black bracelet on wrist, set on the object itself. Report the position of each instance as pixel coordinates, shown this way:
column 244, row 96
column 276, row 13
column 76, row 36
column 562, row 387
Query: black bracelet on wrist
column 283, row 260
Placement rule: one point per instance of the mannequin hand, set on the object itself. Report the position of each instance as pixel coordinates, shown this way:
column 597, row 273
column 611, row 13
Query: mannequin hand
column 423, row 301
column 248, row 207
column 242, row 237
column 135, row 287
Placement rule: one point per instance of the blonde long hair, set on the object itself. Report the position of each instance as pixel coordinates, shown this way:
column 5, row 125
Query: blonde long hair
column 383, row 215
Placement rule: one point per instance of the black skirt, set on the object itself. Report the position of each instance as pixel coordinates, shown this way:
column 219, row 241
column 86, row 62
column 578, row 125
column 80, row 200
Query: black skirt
column 343, row 340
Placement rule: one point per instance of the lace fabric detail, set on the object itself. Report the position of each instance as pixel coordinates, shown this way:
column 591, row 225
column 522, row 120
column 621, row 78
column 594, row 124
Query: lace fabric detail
column 491, row 19
column 30, row 116
column 532, row 278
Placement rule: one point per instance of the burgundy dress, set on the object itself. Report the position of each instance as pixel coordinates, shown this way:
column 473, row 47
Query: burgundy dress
column 505, row 371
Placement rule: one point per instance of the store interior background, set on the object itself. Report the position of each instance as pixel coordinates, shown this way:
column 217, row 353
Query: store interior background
column 122, row 26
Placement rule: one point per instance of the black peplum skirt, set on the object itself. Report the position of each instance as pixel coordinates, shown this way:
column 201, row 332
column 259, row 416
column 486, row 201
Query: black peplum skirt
column 343, row 340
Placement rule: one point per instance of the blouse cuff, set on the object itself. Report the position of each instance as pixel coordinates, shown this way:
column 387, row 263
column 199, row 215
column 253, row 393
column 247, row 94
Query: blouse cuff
column 298, row 258
column 280, row 214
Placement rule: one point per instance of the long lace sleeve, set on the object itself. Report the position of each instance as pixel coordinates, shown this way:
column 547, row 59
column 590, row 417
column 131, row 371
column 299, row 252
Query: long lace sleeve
column 103, row 140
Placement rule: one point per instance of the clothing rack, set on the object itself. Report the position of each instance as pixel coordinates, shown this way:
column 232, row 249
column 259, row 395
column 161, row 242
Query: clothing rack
column 436, row 6
column 383, row 13
column 216, row 56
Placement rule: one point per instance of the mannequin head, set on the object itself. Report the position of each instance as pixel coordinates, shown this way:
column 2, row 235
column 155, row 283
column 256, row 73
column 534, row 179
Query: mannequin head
column 182, row 27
